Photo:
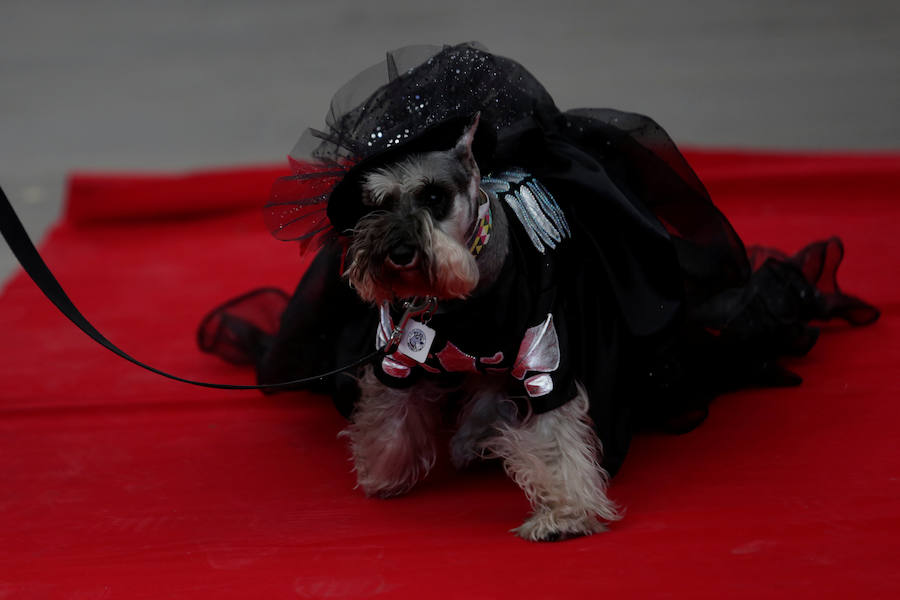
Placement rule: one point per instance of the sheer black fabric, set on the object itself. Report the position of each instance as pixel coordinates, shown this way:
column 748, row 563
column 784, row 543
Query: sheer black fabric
column 670, row 308
column 241, row 329
column 417, row 98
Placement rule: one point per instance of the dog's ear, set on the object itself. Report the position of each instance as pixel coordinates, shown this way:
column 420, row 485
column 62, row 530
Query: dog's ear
column 463, row 146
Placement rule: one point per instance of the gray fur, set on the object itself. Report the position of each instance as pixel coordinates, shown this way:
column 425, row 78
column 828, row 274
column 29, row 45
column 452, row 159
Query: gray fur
column 392, row 436
column 444, row 267
column 484, row 413
column 554, row 457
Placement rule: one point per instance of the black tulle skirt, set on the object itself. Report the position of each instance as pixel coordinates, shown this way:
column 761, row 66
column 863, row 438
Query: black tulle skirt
column 665, row 306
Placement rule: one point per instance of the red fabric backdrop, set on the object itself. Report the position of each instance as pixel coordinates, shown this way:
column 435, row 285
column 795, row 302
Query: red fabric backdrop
column 115, row 483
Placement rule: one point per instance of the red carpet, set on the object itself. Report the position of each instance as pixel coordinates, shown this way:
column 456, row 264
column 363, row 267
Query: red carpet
column 119, row 484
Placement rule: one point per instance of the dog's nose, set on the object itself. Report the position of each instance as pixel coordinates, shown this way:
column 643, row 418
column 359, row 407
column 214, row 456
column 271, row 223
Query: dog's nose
column 402, row 255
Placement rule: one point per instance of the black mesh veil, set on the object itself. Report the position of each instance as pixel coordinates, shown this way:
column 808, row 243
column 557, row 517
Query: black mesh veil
column 667, row 307
column 666, row 247
column 411, row 100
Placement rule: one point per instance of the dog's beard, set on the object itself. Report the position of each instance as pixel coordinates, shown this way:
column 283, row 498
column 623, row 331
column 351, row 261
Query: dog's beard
column 444, row 268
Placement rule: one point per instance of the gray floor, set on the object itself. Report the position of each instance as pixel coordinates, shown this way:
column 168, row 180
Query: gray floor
column 175, row 85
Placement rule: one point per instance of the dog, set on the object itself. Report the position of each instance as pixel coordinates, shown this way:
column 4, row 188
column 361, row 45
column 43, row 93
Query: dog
column 417, row 242
column 547, row 282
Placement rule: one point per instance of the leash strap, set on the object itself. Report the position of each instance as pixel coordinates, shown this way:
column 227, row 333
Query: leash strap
column 36, row 268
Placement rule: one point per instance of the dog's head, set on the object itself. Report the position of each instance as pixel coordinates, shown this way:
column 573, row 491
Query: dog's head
column 424, row 210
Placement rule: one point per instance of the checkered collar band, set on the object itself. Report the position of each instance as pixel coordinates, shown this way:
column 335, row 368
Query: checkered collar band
column 484, row 224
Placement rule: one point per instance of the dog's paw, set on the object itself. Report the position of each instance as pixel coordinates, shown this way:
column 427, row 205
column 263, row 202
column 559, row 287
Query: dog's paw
column 546, row 526
column 374, row 487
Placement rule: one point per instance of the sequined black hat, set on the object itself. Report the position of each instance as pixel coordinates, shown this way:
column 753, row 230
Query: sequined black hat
column 345, row 206
column 418, row 99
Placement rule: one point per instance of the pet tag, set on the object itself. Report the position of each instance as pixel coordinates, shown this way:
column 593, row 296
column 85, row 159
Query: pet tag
column 416, row 341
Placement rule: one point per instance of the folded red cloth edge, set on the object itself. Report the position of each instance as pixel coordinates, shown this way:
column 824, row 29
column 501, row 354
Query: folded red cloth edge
column 103, row 197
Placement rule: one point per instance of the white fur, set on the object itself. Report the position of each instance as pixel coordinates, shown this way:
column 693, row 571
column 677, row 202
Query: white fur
column 454, row 271
column 454, row 268
column 554, row 457
column 402, row 178
column 361, row 279
column 392, row 436
column 464, row 143
column 378, row 185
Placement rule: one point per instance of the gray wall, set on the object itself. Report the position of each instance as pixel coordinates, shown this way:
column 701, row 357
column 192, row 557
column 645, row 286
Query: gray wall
column 174, row 85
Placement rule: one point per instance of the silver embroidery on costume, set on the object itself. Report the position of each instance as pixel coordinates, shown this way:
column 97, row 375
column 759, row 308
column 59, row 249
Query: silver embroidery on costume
column 533, row 205
column 539, row 354
column 539, row 385
column 454, row 359
column 493, row 360
column 451, row 358
column 385, row 326
column 389, row 364
column 394, row 368
column 539, row 350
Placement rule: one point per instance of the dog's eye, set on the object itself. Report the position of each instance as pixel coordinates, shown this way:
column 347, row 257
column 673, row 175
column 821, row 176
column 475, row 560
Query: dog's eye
column 432, row 196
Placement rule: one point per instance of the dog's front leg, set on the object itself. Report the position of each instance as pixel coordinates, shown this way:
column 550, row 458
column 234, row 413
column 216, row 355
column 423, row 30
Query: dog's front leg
column 555, row 459
column 392, row 435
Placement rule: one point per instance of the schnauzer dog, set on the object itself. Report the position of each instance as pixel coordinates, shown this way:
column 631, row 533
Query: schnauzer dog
column 438, row 233
column 492, row 316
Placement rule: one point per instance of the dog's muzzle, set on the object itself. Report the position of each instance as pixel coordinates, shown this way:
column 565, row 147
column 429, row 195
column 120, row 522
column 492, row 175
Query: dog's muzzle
column 403, row 256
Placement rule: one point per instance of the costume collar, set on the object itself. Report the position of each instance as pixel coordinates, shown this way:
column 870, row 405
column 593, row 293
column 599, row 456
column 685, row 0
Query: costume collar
column 483, row 225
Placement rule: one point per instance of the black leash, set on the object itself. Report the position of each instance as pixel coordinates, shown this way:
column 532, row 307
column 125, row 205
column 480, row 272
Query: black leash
column 34, row 266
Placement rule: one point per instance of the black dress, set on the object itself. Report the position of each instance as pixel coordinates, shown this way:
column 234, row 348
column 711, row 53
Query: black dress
column 656, row 304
